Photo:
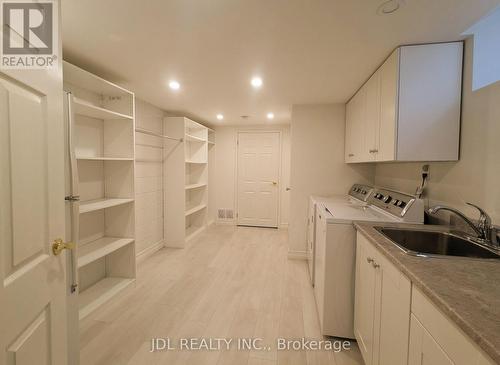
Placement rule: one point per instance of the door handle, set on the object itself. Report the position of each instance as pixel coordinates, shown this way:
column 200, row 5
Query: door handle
column 274, row 183
column 58, row 246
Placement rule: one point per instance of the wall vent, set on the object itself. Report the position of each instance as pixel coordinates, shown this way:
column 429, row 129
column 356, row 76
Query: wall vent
column 225, row 214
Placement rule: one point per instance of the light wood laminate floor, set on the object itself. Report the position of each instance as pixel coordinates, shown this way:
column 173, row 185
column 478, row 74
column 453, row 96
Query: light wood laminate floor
column 227, row 283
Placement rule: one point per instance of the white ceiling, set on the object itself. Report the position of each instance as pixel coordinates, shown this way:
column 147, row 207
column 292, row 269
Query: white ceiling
column 307, row 51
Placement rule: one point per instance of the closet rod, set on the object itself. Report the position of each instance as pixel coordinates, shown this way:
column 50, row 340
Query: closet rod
column 145, row 131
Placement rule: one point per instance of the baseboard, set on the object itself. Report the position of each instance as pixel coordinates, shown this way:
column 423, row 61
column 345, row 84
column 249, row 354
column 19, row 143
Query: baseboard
column 297, row 255
column 225, row 222
column 150, row 250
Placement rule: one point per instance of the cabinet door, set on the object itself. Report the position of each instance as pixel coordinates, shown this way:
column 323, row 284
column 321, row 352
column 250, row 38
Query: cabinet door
column 389, row 78
column 348, row 148
column 364, row 301
column 356, row 127
column 311, row 226
column 392, row 314
column 372, row 117
column 319, row 262
column 423, row 349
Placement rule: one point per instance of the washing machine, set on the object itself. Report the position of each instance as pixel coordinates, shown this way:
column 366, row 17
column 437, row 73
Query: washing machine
column 358, row 195
column 335, row 251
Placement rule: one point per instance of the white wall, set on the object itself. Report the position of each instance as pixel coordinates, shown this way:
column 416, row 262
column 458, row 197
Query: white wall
column 148, row 179
column 317, row 163
column 225, row 181
column 486, row 51
column 476, row 177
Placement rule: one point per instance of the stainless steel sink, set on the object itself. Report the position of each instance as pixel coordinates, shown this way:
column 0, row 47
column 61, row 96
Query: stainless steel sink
column 435, row 243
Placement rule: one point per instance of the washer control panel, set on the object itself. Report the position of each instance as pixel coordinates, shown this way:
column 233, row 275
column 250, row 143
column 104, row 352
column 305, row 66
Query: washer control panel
column 398, row 204
column 361, row 192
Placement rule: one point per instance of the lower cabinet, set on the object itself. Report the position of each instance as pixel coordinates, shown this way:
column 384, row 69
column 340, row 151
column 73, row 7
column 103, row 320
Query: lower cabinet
column 434, row 339
column 364, row 300
column 396, row 324
column 423, row 348
column 382, row 307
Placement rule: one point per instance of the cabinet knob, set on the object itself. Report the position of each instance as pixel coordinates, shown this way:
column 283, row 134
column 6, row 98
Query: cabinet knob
column 351, row 154
column 369, row 260
column 375, row 265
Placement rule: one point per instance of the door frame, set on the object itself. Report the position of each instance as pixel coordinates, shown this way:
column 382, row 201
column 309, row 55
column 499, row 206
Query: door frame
column 237, row 149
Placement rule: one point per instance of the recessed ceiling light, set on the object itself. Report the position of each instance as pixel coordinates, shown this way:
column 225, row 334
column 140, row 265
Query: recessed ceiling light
column 174, row 85
column 389, row 7
column 256, row 82
column 270, row 115
column 220, row 116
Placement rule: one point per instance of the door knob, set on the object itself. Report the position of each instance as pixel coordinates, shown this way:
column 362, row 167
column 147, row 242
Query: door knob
column 58, row 246
column 275, row 183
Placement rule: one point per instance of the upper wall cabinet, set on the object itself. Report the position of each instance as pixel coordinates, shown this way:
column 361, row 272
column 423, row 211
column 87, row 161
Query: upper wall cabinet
column 409, row 110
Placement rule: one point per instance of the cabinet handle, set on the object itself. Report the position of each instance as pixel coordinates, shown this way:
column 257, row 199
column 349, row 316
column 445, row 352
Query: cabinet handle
column 369, row 260
column 375, row 265
column 374, row 151
column 351, row 154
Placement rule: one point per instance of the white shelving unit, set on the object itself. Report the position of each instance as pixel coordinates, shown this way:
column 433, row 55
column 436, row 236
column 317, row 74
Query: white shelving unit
column 190, row 160
column 212, row 208
column 101, row 122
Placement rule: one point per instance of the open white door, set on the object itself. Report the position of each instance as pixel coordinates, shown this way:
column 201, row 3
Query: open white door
column 33, row 287
column 258, row 178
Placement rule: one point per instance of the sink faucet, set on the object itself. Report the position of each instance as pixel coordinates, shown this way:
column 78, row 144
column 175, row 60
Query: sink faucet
column 484, row 228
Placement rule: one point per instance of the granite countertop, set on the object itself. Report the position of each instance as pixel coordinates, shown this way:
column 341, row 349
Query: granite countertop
column 466, row 290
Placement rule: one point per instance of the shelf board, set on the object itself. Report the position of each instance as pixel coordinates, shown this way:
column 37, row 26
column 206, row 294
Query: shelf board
column 83, row 107
column 84, row 79
column 192, row 138
column 196, row 162
column 195, row 186
column 195, row 209
column 105, row 158
column 149, row 160
column 191, row 124
column 94, row 250
column 98, row 204
column 193, row 231
column 99, row 293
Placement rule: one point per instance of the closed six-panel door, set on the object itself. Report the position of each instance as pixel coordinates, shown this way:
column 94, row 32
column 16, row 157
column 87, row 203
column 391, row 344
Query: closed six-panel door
column 33, row 286
column 258, row 178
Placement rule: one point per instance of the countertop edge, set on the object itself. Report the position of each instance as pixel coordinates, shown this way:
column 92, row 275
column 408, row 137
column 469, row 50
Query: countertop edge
column 481, row 342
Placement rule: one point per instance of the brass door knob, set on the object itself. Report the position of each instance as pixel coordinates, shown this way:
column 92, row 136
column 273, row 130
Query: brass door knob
column 58, row 246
